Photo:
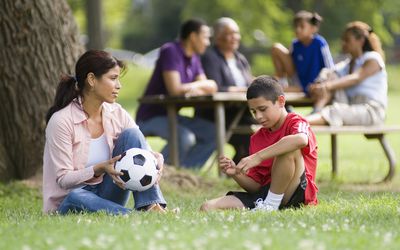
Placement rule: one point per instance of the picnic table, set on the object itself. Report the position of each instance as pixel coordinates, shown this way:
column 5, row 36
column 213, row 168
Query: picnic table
column 218, row 101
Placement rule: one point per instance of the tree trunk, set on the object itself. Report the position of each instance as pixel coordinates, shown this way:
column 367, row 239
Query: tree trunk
column 39, row 41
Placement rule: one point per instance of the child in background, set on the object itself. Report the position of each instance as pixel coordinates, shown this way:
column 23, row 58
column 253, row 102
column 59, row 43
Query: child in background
column 308, row 55
column 280, row 171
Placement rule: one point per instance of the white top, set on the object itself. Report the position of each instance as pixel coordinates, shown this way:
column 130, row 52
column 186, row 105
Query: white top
column 98, row 151
column 237, row 75
column 374, row 87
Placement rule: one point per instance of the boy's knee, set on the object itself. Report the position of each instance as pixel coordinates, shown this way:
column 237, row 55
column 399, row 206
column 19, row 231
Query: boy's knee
column 277, row 47
column 291, row 156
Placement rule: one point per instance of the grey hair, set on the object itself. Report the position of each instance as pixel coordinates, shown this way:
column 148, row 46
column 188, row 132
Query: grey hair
column 220, row 24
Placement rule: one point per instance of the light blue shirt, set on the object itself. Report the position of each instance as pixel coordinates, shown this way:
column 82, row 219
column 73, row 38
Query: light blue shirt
column 374, row 87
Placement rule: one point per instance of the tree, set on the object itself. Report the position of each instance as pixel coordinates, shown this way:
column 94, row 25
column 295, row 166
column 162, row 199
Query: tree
column 39, row 41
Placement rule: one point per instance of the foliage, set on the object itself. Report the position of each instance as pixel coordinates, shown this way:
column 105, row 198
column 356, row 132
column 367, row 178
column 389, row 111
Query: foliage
column 261, row 21
column 151, row 23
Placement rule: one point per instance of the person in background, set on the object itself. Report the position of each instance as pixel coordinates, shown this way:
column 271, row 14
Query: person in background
column 86, row 134
column 360, row 92
column 179, row 72
column 300, row 66
column 231, row 71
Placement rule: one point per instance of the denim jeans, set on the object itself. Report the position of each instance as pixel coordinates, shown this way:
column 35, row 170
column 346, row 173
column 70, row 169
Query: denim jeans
column 196, row 138
column 108, row 197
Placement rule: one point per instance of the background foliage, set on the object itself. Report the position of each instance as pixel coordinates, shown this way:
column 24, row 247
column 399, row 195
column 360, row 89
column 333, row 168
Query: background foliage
column 142, row 25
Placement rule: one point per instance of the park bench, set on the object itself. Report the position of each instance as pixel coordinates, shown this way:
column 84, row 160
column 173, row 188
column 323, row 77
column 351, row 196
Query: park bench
column 370, row 132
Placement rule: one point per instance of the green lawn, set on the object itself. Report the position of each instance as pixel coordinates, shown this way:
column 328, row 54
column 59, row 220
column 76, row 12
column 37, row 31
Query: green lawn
column 350, row 215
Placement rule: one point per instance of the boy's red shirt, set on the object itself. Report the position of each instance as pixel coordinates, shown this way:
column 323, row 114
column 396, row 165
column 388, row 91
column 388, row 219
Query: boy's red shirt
column 263, row 138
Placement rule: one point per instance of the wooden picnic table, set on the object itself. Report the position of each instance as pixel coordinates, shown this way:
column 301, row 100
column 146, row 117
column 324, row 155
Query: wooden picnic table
column 218, row 102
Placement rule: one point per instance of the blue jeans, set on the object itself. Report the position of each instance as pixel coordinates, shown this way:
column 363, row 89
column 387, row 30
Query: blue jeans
column 108, row 197
column 196, row 138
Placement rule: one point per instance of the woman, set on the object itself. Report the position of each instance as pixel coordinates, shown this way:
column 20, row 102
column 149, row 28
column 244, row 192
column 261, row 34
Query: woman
column 84, row 126
column 360, row 92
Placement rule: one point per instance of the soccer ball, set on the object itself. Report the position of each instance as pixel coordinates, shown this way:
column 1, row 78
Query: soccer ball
column 139, row 167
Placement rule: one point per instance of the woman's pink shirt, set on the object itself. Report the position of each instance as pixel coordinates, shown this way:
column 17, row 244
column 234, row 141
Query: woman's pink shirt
column 67, row 148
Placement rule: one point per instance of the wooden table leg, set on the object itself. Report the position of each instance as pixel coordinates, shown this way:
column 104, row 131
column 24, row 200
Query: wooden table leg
column 220, row 128
column 173, row 141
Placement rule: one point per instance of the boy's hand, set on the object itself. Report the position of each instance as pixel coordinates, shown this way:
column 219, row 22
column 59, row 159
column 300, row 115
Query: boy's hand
column 227, row 166
column 248, row 162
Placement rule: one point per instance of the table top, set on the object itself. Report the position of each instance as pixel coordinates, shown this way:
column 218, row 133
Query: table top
column 292, row 98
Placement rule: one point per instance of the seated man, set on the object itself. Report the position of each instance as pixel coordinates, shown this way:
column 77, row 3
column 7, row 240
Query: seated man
column 179, row 72
column 231, row 71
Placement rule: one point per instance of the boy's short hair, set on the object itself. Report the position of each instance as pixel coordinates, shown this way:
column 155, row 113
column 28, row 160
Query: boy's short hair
column 265, row 86
column 312, row 18
column 191, row 25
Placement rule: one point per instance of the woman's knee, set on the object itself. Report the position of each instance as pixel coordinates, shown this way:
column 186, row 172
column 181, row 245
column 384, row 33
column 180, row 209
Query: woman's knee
column 131, row 138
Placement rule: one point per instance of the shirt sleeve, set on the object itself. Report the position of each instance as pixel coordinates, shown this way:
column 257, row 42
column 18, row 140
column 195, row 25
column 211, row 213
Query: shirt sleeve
column 327, row 57
column 168, row 59
column 373, row 55
column 60, row 156
column 298, row 126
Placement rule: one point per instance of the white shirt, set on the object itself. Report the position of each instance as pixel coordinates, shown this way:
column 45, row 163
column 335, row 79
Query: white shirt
column 375, row 86
column 98, row 151
column 239, row 79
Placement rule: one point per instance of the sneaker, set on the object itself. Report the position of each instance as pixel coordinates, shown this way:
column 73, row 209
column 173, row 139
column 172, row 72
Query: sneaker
column 260, row 205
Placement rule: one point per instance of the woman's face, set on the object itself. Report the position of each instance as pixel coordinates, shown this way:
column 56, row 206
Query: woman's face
column 106, row 88
column 350, row 44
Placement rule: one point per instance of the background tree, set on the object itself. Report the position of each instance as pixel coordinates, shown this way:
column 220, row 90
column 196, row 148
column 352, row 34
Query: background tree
column 39, row 41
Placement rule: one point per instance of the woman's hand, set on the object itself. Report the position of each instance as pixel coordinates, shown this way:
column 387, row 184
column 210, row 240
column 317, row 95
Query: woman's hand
column 108, row 167
column 160, row 164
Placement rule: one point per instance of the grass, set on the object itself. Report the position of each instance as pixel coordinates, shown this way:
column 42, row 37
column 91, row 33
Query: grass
column 353, row 212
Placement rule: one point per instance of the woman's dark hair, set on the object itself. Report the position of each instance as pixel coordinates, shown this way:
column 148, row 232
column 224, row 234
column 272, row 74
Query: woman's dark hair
column 265, row 86
column 312, row 18
column 70, row 87
column 362, row 30
column 191, row 25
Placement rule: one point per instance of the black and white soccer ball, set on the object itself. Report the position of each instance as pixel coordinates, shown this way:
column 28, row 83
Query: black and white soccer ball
column 139, row 168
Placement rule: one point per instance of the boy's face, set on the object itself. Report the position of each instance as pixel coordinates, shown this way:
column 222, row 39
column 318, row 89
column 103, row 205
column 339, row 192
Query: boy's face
column 268, row 114
column 304, row 30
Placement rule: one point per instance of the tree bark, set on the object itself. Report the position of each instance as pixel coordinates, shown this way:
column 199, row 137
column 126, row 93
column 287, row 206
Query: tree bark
column 39, row 41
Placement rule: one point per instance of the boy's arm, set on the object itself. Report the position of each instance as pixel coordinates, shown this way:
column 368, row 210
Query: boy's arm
column 285, row 145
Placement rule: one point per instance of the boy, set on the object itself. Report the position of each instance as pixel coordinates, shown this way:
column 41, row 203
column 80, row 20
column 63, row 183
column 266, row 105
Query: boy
column 280, row 171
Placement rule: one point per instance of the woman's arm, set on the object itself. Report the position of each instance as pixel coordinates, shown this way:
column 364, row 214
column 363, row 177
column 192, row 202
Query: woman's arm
column 369, row 68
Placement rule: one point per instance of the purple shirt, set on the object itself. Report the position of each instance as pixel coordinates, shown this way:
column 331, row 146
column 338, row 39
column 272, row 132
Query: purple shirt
column 171, row 58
